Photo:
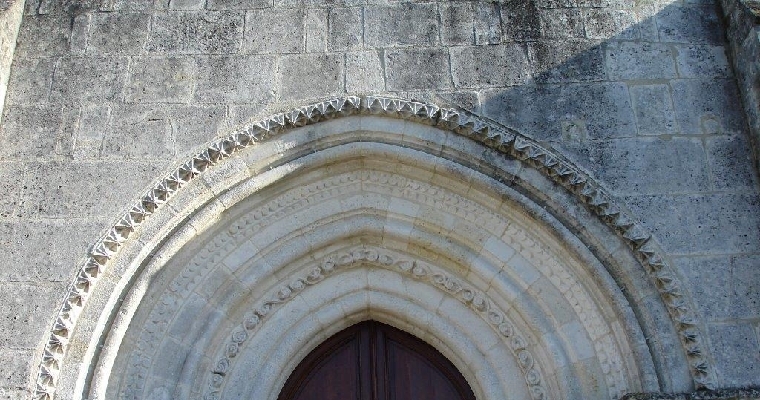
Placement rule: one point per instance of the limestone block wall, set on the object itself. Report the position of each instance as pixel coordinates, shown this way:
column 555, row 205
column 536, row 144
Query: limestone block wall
column 743, row 20
column 105, row 96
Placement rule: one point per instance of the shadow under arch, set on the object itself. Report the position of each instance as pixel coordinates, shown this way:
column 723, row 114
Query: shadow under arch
column 139, row 237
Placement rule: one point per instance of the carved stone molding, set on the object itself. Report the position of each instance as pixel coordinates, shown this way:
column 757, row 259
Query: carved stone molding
column 472, row 298
column 500, row 138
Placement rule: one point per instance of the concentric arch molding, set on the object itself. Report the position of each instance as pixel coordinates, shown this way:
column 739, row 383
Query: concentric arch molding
column 451, row 285
column 502, row 139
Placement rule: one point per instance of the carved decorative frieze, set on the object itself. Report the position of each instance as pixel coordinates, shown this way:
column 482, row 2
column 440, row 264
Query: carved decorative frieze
column 505, row 140
column 467, row 295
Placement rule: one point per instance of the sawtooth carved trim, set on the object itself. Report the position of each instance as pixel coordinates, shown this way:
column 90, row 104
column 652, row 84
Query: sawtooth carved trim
column 469, row 296
column 497, row 137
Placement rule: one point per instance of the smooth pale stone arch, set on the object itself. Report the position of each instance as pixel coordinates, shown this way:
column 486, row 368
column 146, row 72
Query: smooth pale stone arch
column 200, row 203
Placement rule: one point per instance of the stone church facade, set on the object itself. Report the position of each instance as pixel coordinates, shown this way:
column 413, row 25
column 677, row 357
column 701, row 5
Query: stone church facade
column 559, row 196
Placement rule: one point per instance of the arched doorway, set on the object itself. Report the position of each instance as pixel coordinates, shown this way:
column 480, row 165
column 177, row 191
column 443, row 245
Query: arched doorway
column 495, row 250
column 374, row 361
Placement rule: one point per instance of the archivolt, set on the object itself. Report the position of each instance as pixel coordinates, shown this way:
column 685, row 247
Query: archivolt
column 141, row 236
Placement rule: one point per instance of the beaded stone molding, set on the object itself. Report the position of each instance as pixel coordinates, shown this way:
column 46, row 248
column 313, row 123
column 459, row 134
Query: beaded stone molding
column 472, row 298
column 505, row 140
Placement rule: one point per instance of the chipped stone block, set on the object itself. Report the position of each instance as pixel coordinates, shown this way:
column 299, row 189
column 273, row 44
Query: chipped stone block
column 138, row 131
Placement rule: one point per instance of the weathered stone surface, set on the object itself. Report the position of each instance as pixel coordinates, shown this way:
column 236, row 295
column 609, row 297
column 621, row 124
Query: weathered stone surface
column 43, row 36
column 194, row 32
column 703, row 219
column 138, row 131
column 40, row 131
column 569, row 61
column 274, row 31
column 311, row 76
column 487, row 17
column 106, row 95
column 67, row 189
column 708, row 106
column 26, row 314
column 89, row 79
column 412, row 24
column 520, row 20
column 599, row 110
column 234, row 79
column 737, row 358
column 17, row 363
column 457, row 23
column 478, row 66
column 161, row 79
column 731, row 163
column 602, row 23
column 690, row 24
column 316, row 30
column 654, row 109
column 51, row 248
column 11, row 183
column 724, row 283
column 346, row 29
column 237, row 4
column 702, row 61
column 646, row 166
column 637, row 61
column 30, row 81
column 561, row 23
column 417, row 68
column 364, row 73
column 122, row 33
column 10, row 21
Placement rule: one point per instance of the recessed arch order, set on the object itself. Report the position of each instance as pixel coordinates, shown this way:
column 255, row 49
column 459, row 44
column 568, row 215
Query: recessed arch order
column 496, row 250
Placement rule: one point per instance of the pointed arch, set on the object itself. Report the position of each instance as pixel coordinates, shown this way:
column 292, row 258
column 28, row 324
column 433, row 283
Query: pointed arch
column 199, row 196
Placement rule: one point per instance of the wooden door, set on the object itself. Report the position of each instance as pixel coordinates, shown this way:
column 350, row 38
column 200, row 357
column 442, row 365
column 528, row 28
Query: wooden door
column 374, row 361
